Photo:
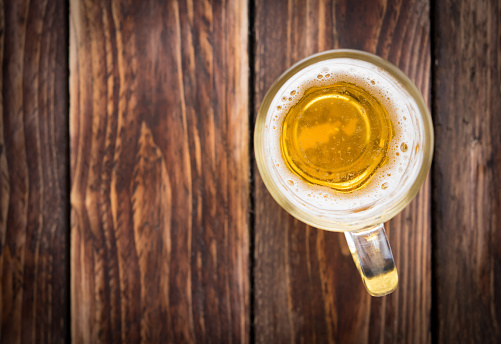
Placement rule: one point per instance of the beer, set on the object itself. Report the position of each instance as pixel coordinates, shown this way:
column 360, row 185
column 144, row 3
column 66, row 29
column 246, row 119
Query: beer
column 337, row 136
column 343, row 142
column 341, row 134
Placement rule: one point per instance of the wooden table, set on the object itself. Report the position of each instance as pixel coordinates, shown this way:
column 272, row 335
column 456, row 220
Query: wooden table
column 131, row 208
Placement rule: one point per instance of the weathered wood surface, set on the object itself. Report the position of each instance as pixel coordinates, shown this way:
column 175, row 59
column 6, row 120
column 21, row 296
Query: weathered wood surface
column 159, row 134
column 159, row 171
column 466, row 197
column 34, row 190
column 306, row 286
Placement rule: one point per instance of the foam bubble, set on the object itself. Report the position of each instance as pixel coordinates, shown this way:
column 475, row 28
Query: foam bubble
column 400, row 107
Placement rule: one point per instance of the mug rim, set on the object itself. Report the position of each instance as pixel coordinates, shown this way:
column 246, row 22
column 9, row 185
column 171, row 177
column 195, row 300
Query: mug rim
column 399, row 204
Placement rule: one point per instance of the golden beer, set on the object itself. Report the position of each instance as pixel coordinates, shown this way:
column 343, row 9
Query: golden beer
column 336, row 136
column 343, row 142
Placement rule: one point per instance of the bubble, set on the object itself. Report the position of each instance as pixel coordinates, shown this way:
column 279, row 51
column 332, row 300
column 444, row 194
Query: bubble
column 384, row 186
column 290, row 182
column 373, row 82
column 404, row 147
column 320, row 76
column 279, row 107
column 284, row 98
column 293, row 92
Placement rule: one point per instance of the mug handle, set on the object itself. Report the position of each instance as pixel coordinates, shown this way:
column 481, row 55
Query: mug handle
column 372, row 255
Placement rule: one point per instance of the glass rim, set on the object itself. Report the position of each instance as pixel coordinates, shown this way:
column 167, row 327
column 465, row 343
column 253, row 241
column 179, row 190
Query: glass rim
column 369, row 221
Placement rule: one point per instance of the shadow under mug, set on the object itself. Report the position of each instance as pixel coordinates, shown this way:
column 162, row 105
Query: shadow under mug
column 363, row 227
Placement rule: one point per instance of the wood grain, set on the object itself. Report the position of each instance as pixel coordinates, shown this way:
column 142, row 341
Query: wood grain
column 159, row 171
column 306, row 286
column 466, row 199
column 34, row 206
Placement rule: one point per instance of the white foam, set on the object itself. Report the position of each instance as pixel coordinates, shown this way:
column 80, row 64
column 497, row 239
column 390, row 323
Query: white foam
column 401, row 108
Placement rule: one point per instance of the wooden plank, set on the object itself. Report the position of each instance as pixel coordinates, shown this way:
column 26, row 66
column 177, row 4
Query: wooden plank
column 466, row 198
column 34, row 173
column 306, row 286
column 159, row 171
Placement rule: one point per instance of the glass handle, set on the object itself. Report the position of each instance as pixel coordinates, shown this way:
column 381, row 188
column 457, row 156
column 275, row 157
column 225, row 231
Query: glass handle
column 372, row 255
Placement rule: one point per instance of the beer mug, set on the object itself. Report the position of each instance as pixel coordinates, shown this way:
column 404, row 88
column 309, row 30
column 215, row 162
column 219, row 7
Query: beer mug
column 343, row 142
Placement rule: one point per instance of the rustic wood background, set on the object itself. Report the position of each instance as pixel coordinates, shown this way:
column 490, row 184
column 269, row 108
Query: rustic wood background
column 131, row 208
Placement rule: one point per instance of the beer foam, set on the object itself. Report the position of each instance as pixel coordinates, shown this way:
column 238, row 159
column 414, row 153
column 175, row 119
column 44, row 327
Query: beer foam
column 402, row 158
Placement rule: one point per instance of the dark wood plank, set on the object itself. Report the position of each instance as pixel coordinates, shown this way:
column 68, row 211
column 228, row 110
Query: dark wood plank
column 466, row 179
column 159, row 167
column 306, row 286
column 34, row 192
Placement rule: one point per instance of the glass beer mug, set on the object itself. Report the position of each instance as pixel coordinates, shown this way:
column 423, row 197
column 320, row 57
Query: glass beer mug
column 343, row 142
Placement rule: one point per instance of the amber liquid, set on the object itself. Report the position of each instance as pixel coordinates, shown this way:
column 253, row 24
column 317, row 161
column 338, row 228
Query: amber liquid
column 336, row 136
